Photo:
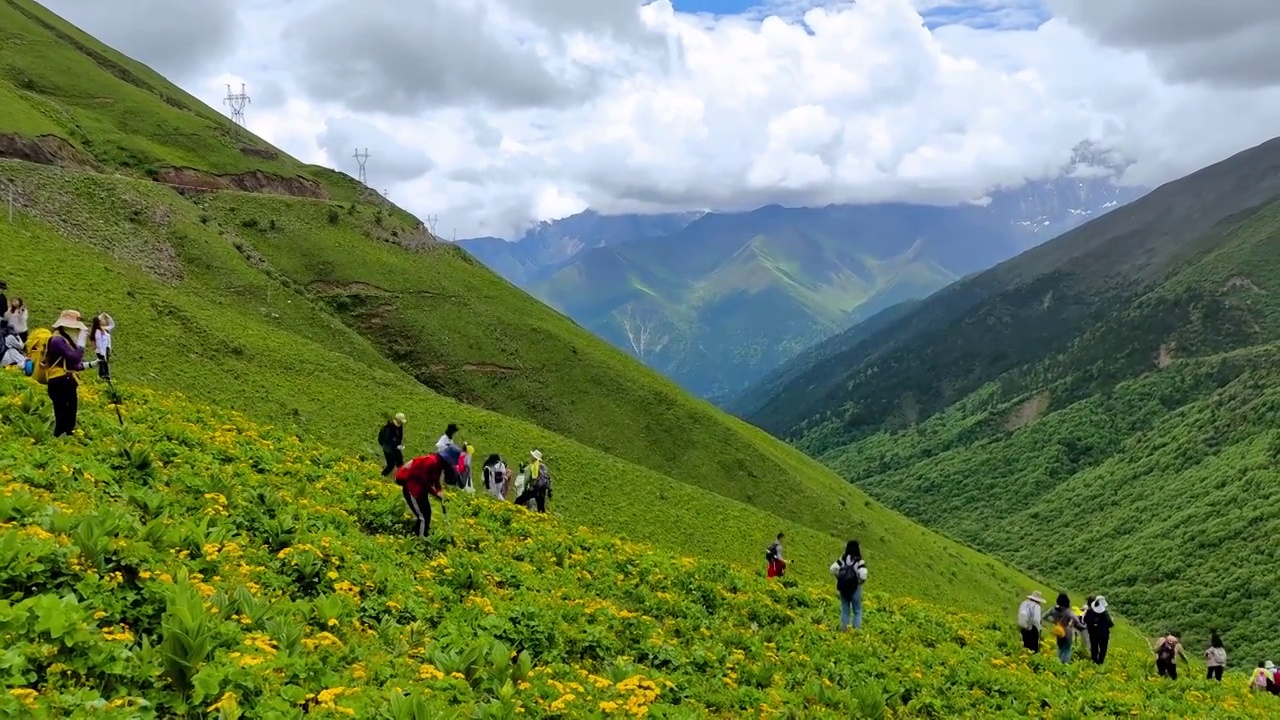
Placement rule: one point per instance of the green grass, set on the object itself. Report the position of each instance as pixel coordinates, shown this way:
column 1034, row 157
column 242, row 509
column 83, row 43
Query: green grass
column 186, row 561
column 312, row 314
column 1121, row 442
column 215, row 335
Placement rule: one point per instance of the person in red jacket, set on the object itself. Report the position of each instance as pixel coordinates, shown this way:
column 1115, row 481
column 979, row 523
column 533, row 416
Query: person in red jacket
column 419, row 479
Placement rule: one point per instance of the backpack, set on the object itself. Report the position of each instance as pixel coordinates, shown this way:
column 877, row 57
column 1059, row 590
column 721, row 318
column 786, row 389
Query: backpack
column 771, row 553
column 847, row 578
column 1217, row 657
column 1026, row 613
column 37, row 348
column 1166, row 651
column 1261, row 678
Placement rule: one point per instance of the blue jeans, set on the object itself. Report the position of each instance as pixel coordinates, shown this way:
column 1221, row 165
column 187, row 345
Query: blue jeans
column 1064, row 650
column 851, row 605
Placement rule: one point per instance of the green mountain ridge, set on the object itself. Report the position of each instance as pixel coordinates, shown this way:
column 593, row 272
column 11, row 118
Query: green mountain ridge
column 1095, row 408
column 726, row 298
column 313, row 304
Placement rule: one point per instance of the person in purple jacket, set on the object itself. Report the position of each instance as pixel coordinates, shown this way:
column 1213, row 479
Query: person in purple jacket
column 65, row 358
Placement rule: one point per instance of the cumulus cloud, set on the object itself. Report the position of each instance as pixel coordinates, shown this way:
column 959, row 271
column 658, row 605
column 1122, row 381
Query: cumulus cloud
column 176, row 38
column 530, row 109
column 411, row 56
column 1230, row 42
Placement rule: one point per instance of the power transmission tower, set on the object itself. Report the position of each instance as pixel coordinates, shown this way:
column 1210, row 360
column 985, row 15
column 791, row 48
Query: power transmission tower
column 237, row 103
column 361, row 159
column 431, row 223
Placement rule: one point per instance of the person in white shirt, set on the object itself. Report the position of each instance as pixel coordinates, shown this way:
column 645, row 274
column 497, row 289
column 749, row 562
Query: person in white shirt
column 851, row 573
column 15, row 316
column 1029, row 618
column 446, row 448
column 103, row 324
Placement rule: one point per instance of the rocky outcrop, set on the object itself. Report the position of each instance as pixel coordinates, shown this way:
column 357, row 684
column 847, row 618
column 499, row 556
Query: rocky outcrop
column 45, row 150
column 254, row 182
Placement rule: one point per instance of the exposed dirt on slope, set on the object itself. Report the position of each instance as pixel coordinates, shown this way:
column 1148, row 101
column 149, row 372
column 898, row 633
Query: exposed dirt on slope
column 484, row 368
column 45, row 150
column 1240, row 281
column 1028, row 412
column 1164, row 358
column 254, row 182
column 329, row 288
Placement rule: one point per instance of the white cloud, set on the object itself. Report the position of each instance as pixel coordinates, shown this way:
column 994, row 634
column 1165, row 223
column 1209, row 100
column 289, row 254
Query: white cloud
column 518, row 110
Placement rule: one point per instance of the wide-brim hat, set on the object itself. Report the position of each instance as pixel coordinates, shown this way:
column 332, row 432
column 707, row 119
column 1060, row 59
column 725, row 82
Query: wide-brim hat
column 69, row 319
column 1270, row 665
column 1100, row 604
column 536, row 454
column 1036, row 597
column 400, row 418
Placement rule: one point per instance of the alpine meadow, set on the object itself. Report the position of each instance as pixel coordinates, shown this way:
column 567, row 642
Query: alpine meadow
column 214, row 540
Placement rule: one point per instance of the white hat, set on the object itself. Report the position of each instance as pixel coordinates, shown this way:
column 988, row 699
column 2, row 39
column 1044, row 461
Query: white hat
column 536, row 455
column 1270, row 665
column 399, row 418
column 1036, row 597
column 1100, row 604
column 69, row 319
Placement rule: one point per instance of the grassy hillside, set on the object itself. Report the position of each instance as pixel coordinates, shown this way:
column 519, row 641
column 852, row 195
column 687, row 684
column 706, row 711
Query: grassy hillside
column 1112, row 431
column 308, row 304
column 191, row 562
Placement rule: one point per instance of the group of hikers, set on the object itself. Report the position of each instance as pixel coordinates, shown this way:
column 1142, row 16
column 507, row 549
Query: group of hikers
column 55, row 356
column 451, row 464
column 1091, row 622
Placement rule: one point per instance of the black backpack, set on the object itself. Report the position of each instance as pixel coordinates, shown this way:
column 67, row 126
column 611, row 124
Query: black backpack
column 1166, row 651
column 847, row 579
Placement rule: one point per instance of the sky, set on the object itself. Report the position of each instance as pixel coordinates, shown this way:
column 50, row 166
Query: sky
column 494, row 114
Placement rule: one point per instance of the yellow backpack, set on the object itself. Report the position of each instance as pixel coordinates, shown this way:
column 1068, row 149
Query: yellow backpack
column 37, row 348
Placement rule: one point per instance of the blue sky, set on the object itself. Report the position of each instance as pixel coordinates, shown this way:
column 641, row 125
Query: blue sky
column 987, row 14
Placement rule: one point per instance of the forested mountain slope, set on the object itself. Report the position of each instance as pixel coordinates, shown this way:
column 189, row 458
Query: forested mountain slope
column 246, row 279
column 1097, row 409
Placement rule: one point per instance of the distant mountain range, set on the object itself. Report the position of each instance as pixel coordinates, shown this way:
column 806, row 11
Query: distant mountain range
column 717, row 300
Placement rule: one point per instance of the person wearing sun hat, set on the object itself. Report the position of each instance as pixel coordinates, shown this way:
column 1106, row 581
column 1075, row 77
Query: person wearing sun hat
column 391, row 440
column 539, row 487
column 1098, row 622
column 1029, row 617
column 62, row 360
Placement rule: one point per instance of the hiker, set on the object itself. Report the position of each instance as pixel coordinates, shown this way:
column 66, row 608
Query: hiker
column 538, row 484
column 60, row 358
column 495, row 475
column 1085, row 645
column 851, row 572
column 103, row 324
column 391, row 440
column 1098, row 623
column 12, row 350
column 1263, row 677
column 1215, row 657
column 1029, row 616
column 1167, row 649
column 419, row 480
column 1065, row 626
column 464, row 468
column 773, row 556
column 15, row 316
column 447, row 449
column 522, row 484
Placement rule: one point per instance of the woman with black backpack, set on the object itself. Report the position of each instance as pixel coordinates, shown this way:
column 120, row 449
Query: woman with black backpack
column 850, row 572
